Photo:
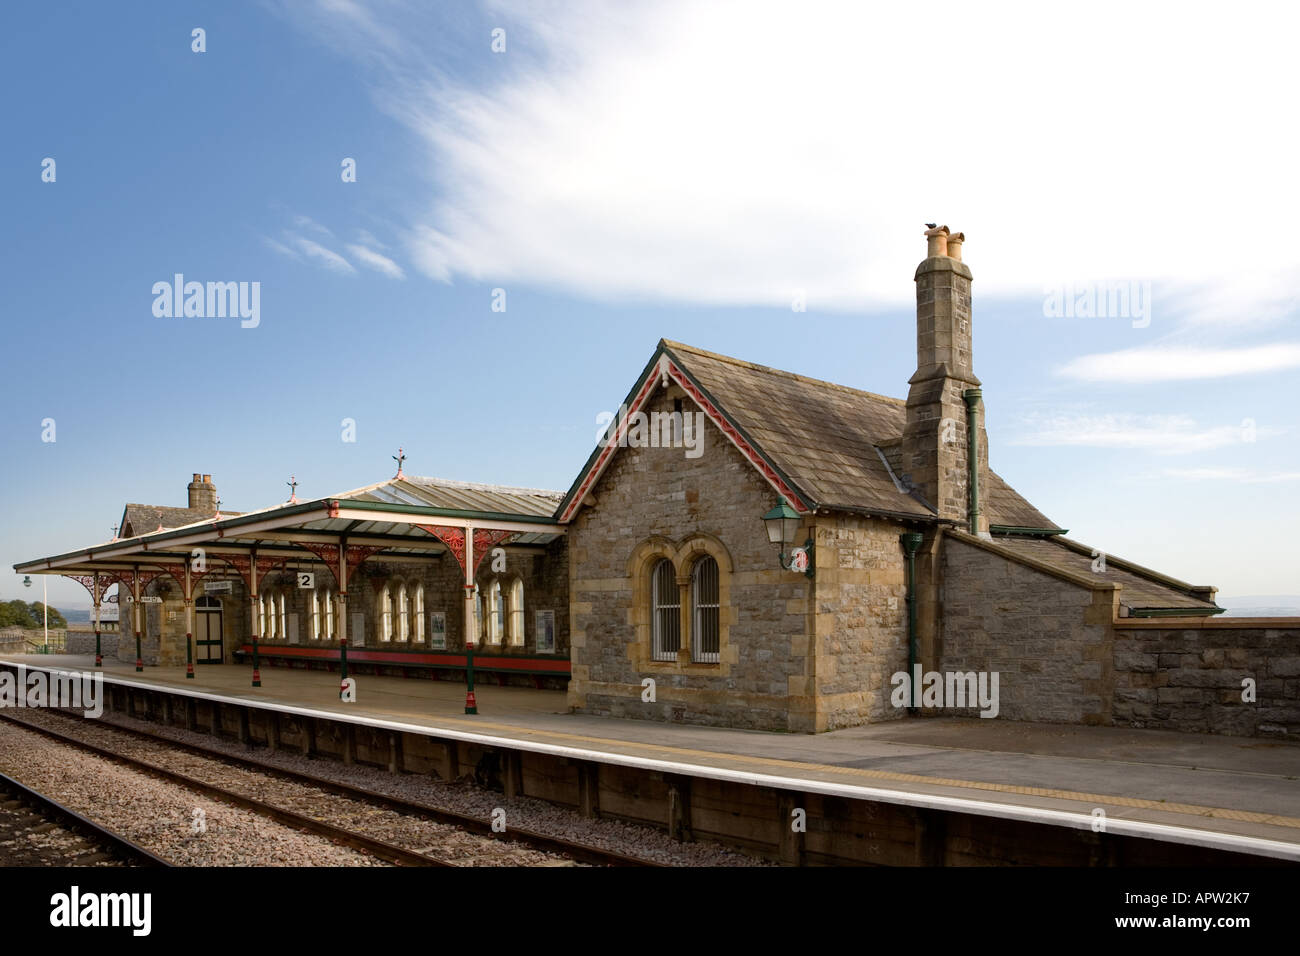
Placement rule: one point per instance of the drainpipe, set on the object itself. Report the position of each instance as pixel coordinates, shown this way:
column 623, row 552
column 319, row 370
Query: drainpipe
column 972, row 398
column 911, row 544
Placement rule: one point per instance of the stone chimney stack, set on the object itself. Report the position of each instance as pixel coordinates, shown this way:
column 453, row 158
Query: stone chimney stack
column 203, row 493
column 936, row 436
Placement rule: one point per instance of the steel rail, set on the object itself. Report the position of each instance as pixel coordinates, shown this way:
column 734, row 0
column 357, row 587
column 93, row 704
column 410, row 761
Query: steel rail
column 377, row 848
column 584, row 853
column 70, row 819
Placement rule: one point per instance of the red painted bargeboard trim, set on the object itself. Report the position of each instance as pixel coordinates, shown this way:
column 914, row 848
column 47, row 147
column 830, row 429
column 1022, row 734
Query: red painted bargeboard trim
column 558, row 666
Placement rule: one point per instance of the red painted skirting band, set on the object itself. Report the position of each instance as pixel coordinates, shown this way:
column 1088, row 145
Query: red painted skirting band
column 485, row 661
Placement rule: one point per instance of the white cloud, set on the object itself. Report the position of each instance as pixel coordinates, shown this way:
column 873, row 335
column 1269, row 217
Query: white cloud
column 306, row 222
column 733, row 152
column 1207, row 474
column 327, row 257
column 376, row 261
column 1231, row 474
column 1172, row 364
column 1164, row 434
column 281, row 248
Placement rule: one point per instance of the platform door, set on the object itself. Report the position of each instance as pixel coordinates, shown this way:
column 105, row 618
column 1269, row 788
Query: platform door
column 208, row 647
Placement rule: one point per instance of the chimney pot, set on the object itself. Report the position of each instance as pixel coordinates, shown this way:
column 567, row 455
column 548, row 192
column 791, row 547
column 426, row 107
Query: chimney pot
column 207, row 479
column 954, row 245
column 196, row 476
column 937, row 241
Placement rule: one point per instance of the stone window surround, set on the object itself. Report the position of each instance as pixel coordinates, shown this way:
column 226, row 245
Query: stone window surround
column 683, row 556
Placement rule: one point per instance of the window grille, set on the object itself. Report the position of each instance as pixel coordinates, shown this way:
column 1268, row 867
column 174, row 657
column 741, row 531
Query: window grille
column 666, row 604
column 704, row 601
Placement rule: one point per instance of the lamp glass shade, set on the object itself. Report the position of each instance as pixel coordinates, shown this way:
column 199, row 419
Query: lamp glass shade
column 782, row 523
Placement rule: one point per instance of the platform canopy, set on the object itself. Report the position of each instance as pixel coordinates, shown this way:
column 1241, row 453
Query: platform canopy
column 405, row 516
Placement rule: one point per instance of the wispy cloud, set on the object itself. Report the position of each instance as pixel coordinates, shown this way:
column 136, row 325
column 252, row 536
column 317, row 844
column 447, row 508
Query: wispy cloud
column 1171, row 364
column 376, row 261
column 1164, row 434
column 306, row 222
column 281, row 248
column 366, row 250
column 728, row 152
column 367, row 239
column 327, row 257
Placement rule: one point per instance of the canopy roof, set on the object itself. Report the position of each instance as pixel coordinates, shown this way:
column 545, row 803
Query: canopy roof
column 385, row 516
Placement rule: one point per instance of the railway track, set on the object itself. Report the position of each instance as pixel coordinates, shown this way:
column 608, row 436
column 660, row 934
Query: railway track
column 37, row 830
column 525, row 841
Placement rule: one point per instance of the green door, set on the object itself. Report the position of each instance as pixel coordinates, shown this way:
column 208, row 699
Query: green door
column 207, row 631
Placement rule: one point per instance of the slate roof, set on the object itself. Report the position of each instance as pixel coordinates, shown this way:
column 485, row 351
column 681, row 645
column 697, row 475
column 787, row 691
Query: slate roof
column 833, row 442
column 145, row 519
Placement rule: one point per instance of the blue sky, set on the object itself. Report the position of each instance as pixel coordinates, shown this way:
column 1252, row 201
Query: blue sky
column 633, row 172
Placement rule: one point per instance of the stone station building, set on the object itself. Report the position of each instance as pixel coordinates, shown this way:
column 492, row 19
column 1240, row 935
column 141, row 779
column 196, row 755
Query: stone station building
column 746, row 547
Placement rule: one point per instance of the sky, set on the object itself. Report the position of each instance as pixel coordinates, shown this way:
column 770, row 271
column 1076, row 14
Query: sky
column 750, row 178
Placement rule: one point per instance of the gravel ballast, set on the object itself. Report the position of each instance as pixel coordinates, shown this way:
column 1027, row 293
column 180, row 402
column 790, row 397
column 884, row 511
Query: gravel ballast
column 462, row 797
column 158, row 815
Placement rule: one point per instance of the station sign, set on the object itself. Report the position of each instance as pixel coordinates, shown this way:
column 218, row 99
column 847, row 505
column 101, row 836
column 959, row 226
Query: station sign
column 218, row 587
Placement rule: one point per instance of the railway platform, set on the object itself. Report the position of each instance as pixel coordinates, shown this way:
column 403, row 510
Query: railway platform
column 955, row 784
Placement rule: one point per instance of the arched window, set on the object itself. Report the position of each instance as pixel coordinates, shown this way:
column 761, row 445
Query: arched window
column 403, row 613
column 705, row 610
column 667, row 607
column 328, row 604
column 516, row 613
column 495, row 612
column 385, row 608
column 417, row 600
column 272, row 615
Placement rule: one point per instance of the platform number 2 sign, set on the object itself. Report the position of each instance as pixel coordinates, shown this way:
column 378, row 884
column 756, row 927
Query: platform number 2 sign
column 306, row 580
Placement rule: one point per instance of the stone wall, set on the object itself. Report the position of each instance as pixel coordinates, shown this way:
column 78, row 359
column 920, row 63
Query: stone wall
column 1064, row 656
column 653, row 503
column 1177, row 677
column 861, row 619
column 35, row 635
column 83, row 642
column 1047, row 637
column 162, row 626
